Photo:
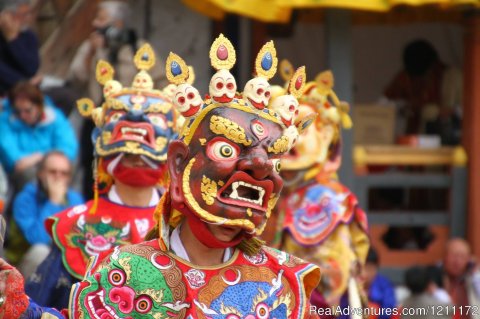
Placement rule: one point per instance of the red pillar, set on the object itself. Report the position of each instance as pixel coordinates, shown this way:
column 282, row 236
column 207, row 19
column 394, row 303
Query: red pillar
column 471, row 127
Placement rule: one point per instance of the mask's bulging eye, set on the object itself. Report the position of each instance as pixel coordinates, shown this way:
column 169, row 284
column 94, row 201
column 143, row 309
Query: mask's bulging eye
column 258, row 129
column 222, row 150
column 219, row 85
column 115, row 117
column 116, row 277
column 230, row 86
column 143, row 304
column 277, row 165
column 262, row 311
column 158, row 120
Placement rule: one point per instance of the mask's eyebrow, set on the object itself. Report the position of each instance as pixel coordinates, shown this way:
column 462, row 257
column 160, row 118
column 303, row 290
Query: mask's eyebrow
column 280, row 145
column 231, row 130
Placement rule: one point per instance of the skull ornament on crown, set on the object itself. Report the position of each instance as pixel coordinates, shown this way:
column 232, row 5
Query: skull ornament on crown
column 224, row 168
column 223, row 86
column 257, row 90
column 186, row 98
column 320, row 144
column 287, row 105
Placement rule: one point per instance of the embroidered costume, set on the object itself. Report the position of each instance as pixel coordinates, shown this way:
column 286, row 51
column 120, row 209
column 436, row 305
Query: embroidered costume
column 144, row 280
column 320, row 219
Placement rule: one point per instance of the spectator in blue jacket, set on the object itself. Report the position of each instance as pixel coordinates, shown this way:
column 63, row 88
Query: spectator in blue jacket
column 380, row 289
column 19, row 49
column 38, row 200
column 30, row 127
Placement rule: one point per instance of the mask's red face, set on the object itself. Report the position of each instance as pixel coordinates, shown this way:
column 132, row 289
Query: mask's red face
column 229, row 174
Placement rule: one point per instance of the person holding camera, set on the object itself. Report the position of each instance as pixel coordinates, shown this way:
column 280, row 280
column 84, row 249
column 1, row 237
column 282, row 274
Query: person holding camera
column 113, row 41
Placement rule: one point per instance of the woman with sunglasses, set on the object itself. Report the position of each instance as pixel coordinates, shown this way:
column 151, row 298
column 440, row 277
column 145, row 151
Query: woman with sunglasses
column 31, row 126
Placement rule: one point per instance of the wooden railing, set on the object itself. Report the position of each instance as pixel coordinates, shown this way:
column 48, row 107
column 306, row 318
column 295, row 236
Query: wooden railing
column 442, row 223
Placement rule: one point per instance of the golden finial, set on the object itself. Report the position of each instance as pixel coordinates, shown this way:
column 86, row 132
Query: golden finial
column 176, row 69
column 145, row 57
column 286, row 70
column 297, row 82
column 222, row 53
column 104, row 72
column 266, row 61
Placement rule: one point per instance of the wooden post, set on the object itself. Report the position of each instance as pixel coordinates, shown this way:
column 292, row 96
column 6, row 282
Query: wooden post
column 58, row 51
column 338, row 46
column 471, row 126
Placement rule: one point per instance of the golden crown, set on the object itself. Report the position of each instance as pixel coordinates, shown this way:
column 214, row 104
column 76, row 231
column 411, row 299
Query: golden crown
column 140, row 89
column 319, row 94
column 255, row 97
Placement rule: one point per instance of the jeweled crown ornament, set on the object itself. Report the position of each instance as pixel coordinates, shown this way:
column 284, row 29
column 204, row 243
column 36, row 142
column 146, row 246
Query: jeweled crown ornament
column 137, row 119
column 222, row 89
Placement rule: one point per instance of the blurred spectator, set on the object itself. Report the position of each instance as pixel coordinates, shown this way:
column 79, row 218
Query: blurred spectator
column 438, row 291
column 126, row 201
column 418, row 282
column 3, row 189
column 429, row 91
column 39, row 200
column 19, row 53
column 31, row 127
column 461, row 275
column 113, row 41
column 381, row 292
column 3, row 199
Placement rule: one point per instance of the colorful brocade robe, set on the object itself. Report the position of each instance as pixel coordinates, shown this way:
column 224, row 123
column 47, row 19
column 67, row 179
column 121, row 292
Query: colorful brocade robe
column 325, row 225
column 141, row 281
column 81, row 235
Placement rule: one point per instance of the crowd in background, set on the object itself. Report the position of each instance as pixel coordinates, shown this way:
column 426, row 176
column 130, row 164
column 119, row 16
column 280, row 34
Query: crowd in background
column 41, row 133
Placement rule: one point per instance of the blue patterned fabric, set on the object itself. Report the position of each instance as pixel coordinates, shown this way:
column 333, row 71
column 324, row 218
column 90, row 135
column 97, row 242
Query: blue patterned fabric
column 50, row 285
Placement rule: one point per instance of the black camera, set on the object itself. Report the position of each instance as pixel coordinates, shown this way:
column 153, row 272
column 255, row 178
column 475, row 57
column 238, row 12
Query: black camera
column 115, row 38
